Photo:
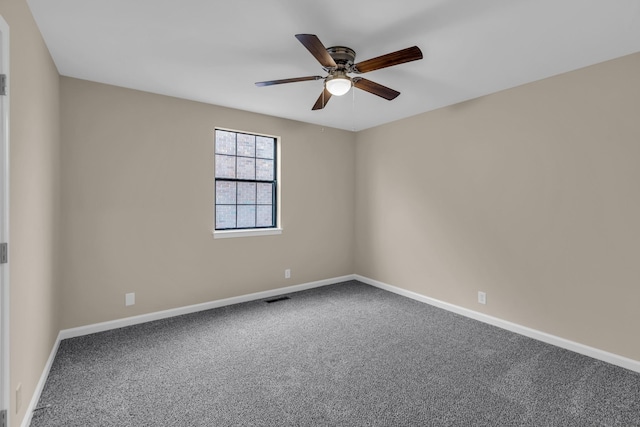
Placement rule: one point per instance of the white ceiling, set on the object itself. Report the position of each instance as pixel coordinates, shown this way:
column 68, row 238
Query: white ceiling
column 213, row 51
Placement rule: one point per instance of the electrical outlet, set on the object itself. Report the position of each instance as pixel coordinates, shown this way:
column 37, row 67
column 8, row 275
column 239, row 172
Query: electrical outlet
column 287, row 273
column 130, row 299
column 18, row 397
column 482, row 297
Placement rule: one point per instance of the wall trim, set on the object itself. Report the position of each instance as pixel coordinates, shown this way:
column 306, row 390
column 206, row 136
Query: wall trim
column 5, row 276
column 614, row 359
column 26, row 421
column 149, row 317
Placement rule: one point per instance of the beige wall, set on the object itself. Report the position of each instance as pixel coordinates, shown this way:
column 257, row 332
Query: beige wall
column 137, row 186
column 530, row 195
column 34, row 203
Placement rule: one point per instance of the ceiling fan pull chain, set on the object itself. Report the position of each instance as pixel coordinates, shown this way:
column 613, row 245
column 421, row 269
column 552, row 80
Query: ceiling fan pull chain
column 353, row 114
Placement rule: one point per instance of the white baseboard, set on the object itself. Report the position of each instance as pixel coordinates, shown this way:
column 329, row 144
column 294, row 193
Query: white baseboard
column 614, row 359
column 143, row 318
column 26, row 421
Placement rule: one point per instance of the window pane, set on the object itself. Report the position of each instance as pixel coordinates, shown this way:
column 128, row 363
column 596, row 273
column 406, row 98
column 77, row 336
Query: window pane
column 246, row 193
column 265, row 170
column 245, row 186
column 225, row 142
column 246, row 216
column 265, row 194
column 225, row 216
column 246, row 145
column 246, row 168
column 265, row 216
column 265, row 147
column 225, row 166
column 225, row 193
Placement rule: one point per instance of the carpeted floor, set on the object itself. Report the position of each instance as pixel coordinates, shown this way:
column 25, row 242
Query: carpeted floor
column 341, row 355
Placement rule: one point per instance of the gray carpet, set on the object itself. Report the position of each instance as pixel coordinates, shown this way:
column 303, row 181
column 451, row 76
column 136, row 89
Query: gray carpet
column 341, row 355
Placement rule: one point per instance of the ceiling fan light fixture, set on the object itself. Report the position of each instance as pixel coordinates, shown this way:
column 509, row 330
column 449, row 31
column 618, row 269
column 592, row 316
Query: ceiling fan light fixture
column 338, row 84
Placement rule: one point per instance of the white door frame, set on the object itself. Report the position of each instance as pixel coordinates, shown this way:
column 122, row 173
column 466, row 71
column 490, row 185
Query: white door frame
column 4, row 223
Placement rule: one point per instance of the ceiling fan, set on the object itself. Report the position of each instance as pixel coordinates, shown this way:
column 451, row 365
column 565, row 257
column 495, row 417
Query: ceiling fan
column 338, row 61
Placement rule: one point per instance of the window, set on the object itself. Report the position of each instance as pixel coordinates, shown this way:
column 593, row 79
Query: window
column 245, row 181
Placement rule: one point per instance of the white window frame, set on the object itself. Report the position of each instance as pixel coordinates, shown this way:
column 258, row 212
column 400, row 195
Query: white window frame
column 252, row 232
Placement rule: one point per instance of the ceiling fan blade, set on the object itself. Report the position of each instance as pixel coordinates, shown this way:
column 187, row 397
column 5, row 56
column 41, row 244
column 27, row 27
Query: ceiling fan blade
column 400, row 57
column 322, row 100
column 317, row 49
column 296, row 79
column 375, row 88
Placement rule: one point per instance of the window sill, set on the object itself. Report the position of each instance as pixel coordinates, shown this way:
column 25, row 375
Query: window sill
column 228, row 234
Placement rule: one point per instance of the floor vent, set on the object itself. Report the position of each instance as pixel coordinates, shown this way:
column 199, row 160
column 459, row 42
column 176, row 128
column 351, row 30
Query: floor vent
column 269, row 301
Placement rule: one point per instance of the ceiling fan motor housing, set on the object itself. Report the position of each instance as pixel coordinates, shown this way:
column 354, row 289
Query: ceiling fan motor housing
column 343, row 56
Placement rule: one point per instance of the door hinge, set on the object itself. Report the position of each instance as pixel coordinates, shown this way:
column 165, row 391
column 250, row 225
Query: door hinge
column 4, row 253
column 3, row 418
column 3, row 84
